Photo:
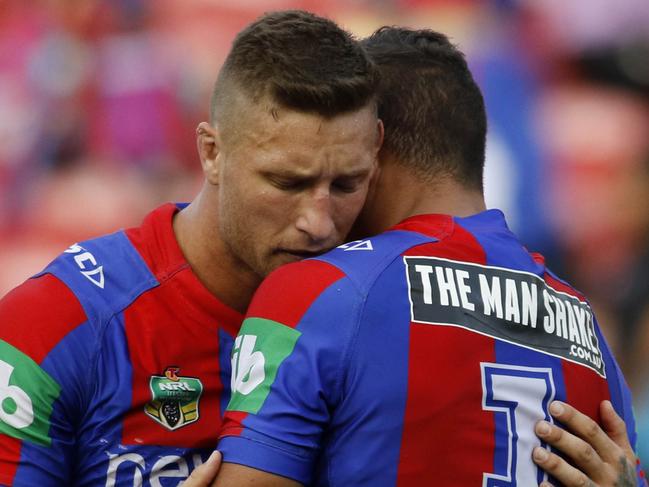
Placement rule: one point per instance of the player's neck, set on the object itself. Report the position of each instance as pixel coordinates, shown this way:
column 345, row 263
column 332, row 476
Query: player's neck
column 400, row 194
column 446, row 197
column 196, row 231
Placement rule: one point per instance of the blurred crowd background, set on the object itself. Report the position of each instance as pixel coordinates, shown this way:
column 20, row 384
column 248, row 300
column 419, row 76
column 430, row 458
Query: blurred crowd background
column 99, row 101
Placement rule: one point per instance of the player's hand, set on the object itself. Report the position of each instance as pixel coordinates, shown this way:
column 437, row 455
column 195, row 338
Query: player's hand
column 603, row 457
column 205, row 474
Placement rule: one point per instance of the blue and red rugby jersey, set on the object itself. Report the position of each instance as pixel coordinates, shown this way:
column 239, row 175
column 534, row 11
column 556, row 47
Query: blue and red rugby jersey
column 422, row 356
column 113, row 362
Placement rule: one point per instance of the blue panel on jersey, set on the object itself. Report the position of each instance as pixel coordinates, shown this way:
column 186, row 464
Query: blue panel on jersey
column 502, row 250
column 362, row 260
column 73, row 364
column 109, row 402
column 379, row 390
column 66, row 365
column 297, row 408
column 501, row 246
column 323, row 380
column 106, row 274
column 226, row 342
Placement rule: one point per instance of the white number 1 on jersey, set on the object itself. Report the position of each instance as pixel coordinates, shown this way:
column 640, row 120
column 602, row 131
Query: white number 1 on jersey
column 519, row 397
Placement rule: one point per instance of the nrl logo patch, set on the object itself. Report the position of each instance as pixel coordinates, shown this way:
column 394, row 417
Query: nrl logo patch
column 174, row 399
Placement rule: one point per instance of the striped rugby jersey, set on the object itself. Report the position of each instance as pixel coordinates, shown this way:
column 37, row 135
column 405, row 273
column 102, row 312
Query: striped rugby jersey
column 113, row 363
column 422, row 356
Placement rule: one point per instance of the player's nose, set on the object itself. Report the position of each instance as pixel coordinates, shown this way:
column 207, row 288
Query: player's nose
column 316, row 217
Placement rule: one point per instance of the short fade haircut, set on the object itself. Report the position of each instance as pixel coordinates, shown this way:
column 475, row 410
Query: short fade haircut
column 296, row 60
column 432, row 109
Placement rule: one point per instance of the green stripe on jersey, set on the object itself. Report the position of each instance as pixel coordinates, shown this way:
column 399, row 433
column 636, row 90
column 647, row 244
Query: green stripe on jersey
column 259, row 350
column 27, row 394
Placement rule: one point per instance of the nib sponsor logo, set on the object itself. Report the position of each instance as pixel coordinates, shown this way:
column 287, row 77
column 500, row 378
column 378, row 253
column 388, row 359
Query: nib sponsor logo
column 19, row 412
column 259, row 350
column 247, row 366
column 27, row 394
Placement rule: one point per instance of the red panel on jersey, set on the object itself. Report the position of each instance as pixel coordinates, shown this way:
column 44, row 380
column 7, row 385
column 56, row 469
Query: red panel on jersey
column 271, row 302
column 461, row 246
column 438, row 226
column 156, row 243
column 582, row 385
column 233, row 423
column 444, row 409
column 538, row 258
column 58, row 312
column 9, row 457
column 562, row 287
column 146, row 321
column 446, row 417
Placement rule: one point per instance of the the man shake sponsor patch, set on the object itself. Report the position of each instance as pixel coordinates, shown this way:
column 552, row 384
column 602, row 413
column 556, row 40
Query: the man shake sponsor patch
column 174, row 399
column 517, row 307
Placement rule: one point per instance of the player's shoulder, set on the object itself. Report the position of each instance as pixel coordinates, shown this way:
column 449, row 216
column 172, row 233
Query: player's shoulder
column 362, row 261
column 290, row 290
column 37, row 314
column 349, row 269
column 563, row 286
column 105, row 274
column 554, row 281
column 41, row 296
column 359, row 261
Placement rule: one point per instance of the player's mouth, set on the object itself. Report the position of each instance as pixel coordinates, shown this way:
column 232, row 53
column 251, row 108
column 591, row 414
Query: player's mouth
column 301, row 254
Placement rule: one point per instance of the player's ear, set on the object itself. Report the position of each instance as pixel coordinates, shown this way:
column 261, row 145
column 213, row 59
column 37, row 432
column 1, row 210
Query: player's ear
column 208, row 142
column 380, row 134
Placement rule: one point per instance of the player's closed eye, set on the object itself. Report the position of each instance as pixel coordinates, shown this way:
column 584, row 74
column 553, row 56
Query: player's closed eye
column 288, row 184
column 347, row 185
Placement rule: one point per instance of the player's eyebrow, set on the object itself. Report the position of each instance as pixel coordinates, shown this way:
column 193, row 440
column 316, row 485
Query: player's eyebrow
column 306, row 175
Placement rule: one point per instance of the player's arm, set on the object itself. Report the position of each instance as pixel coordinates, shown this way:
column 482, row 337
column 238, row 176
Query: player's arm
column 287, row 368
column 235, row 475
column 601, row 457
column 37, row 394
column 232, row 474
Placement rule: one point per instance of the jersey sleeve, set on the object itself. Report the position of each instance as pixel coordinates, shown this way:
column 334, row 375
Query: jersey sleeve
column 288, row 369
column 43, row 381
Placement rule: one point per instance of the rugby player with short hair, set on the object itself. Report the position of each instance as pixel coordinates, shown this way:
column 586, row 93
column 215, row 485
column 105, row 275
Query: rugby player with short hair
column 428, row 354
column 115, row 360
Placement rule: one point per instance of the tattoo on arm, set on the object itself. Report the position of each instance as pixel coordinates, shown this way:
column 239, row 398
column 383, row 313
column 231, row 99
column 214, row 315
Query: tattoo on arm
column 627, row 475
